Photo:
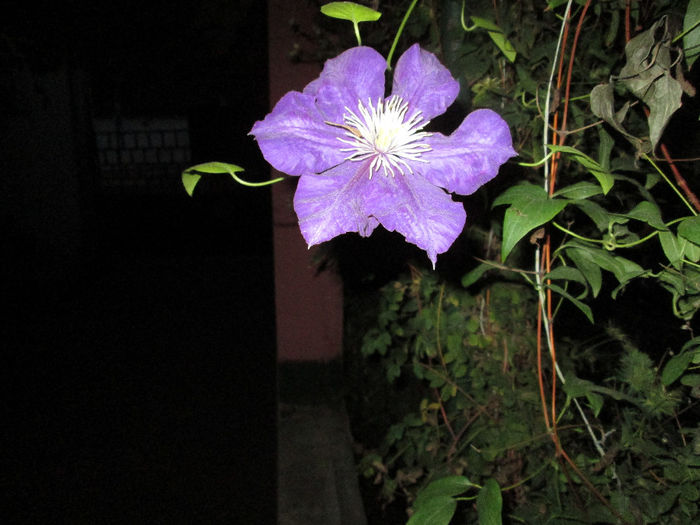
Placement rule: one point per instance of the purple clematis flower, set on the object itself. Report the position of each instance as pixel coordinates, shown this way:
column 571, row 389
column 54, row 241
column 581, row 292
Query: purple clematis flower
column 366, row 160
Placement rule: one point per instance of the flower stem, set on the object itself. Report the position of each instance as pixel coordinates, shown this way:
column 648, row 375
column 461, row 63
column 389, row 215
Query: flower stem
column 254, row 184
column 398, row 33
column 357, row 33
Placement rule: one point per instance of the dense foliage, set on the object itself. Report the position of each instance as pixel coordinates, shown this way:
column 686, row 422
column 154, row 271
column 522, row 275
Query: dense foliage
column 557, row 379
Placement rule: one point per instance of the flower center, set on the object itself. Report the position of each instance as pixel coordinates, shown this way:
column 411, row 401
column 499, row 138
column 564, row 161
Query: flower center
column 383, row 133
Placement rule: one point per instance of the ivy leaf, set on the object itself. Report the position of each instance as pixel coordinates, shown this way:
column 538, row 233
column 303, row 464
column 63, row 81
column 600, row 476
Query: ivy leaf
column 489, row 503
column 530, row 207
column 691, row 30
column 350, row 11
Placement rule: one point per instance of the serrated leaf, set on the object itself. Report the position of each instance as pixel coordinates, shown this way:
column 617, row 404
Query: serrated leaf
column 351, row 11
column 691, row 28
column 530, row 207
column 435, row 511
column 489, row 503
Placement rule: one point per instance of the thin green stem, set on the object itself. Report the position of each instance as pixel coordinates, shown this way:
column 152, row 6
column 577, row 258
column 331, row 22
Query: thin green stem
column 461, row 19
column 398, row 34
column 576, row 235
column 357, row 33
column 254, row 184
column 673, row 186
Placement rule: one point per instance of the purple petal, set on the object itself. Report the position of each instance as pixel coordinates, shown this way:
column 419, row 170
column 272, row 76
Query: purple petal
column 295, row 140
column 330, row 204
column 354, row 75
column 472, row 155
column 421, row 212
column 422, row 81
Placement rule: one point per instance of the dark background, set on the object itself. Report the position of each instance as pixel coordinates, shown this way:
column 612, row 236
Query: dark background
column 138, row 357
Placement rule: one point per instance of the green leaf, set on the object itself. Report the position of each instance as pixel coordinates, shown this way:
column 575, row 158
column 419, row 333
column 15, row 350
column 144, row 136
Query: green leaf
column 622, row 268
column 605, row 147
column 530, row 207
column 599, row 215
column 578, row 191
column 189, row 181
column 215, row 167
column 672, row 247
column 675, row 367
column 191, row 176
column 691, row 380
column 648, row 212
column 604, row 177
column 566, row 273
column 580, row 305
column 489, row 503
column 350, row 11
column 690, row 229
column 497, row 35
column 474, row 275
column 588, row 267
column 435, row 511
column 448, row 486
column 691, row 30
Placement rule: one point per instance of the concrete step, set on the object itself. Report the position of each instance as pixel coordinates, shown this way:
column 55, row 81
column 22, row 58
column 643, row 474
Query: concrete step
column 317, row 477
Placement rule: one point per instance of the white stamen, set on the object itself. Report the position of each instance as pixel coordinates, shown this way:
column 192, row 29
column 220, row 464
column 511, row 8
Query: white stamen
column 382, row 132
